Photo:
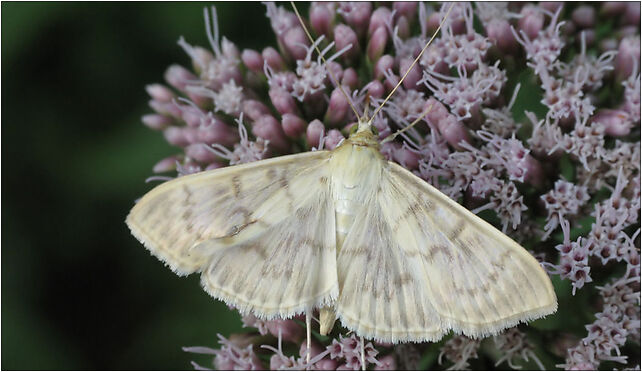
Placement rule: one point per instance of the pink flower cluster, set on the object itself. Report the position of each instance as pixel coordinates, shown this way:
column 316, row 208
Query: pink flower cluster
column 561, row 173
column 619, row 320
column 342, row 353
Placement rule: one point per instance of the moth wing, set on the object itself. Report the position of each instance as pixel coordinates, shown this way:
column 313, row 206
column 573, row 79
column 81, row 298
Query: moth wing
column 419, row 265
column 261, row 233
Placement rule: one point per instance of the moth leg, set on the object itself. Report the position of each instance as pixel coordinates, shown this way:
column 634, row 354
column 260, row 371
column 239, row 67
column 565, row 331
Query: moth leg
column 327, row 317
column 363, row 356
column 308, row 327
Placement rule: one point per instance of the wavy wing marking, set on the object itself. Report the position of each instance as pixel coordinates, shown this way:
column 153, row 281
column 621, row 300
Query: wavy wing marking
column 262, row 234
column 416, row 265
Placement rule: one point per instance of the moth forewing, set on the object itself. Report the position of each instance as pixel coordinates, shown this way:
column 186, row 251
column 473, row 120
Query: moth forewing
column 249, row 230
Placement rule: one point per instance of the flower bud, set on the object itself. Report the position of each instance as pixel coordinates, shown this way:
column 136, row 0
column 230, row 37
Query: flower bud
column 293, row 40
column 433, row 21
column 333, row 138
column 217, row 132
column 437, row 112
column 584, row 16
column 273, row 59
column 201, row 57
column 166, row 165
column 457, row 20
column 200, row 153
column 160, row 93
column 178, row 76
column 375, row 89
column 403, row 27
column 321, row 18
column 293, row 126
column 616, row 122
column 406, row 158
column 391, row 81
column 568, row 28
column 283, row 101
column 315, row 104
column 229, row 49
column 337, row 108
column 269, row 128
column 192, row 116
column 156, row 122
column 166, row 108
column 337, row 71
column 628, row 55
column 175, row 136
column 315, row 130
column 532, row 21
column 413, row 76
column 453, row 131
column 407, row 9
column 380, row 18
column 533, row 174
column 253, row 60
column 377, row 44
column 384, row 64
column 350, row 78
column 191, row 135
column 613, row 8
column 356, row 14
column 254, row 109
column 344, row 36
column 500, row 33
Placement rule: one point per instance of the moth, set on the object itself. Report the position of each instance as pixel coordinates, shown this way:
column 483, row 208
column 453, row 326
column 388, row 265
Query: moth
column 347, row 232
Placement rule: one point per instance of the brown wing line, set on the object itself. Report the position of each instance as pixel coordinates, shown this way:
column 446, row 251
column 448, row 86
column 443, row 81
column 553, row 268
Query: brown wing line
column 178, row 214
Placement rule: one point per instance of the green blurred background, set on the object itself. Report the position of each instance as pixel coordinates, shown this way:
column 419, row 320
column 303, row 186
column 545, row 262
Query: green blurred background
column 78, row 292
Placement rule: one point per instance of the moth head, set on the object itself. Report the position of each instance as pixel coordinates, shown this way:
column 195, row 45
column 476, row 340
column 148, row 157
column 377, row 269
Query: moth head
column 364, row 133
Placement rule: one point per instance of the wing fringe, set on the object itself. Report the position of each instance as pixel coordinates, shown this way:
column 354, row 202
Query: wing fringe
column 475, row 332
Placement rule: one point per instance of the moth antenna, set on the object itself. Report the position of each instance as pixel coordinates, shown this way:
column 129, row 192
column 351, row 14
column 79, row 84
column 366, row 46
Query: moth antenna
column 394, row 135
column 324, row 61
column 414, row 62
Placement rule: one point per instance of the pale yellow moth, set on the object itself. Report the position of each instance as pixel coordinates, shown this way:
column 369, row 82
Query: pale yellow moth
column 347, row 232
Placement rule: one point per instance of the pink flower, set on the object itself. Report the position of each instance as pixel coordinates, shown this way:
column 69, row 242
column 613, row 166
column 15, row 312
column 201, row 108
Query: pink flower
column 559, row 167
column 458, row 350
